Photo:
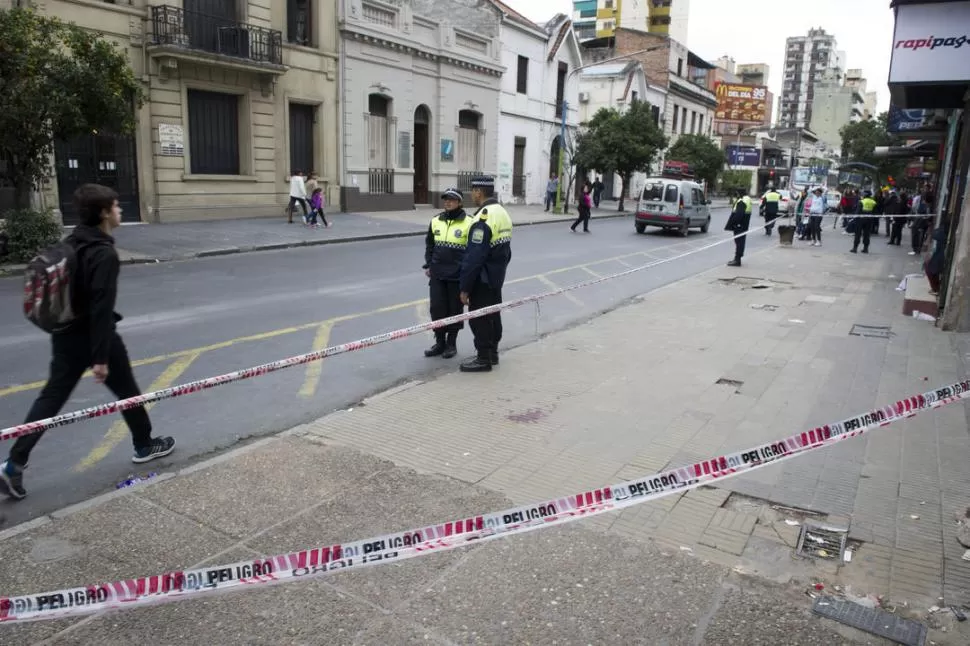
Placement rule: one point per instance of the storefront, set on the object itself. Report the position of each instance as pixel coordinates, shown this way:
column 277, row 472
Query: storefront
column 929, row 71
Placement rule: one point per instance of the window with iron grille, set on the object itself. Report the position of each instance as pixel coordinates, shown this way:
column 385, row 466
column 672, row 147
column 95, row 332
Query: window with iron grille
column 298, row 24
column 213, row 133
column 469, row 123
column 378, row 108
column 522, row 79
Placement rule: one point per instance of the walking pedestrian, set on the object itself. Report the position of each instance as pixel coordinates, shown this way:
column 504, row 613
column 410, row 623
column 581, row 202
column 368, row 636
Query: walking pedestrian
column 585, row 209
column 483, row 271
column 552, row 188
column 738, row 223
column 297, row 196
column 90, row 340
column 919, row 224
column 769, row 208
column 316, row 209
column 863, row 227
column 598, row 188
column 815, row 214
column 444, row 249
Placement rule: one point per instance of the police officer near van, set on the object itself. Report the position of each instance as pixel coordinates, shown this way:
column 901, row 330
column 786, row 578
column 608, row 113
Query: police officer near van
column 444, row 249
column 769, row 208
column 483, row 272
column 737, row 224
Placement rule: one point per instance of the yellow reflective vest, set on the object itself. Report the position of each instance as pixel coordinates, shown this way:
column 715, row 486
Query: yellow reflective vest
column 868, row 205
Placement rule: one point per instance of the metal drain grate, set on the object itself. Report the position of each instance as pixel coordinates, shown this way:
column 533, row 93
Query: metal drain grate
column 872, row 620
column 871, row 331
column 816, row 540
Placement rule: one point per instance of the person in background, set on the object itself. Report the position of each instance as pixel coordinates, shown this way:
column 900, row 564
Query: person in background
column 920, row 223
column 552, row 187
column 770, row 202
column 316, row 209
column 898, row 221
column 815, row 214
column 863, row 225
column 312, row 183
column 887, row 210
column 598, row 188
column 297, row 196
column 90, row 341
column 738, row 223
column 934, row 264
column 585, row 209
column 801, row 215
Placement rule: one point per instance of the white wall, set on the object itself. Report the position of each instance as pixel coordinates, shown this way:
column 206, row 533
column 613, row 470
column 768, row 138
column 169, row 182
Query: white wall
column 532, row 115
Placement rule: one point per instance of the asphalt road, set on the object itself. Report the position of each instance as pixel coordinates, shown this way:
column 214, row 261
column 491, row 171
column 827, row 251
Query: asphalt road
column 191, row 319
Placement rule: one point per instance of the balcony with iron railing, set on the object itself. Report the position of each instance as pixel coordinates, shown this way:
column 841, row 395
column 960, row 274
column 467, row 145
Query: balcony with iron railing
column 191, row 35
column 465, row 178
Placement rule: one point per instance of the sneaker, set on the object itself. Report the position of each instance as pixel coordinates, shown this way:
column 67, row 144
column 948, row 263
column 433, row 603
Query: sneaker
column 159, row 448
column 12, row 480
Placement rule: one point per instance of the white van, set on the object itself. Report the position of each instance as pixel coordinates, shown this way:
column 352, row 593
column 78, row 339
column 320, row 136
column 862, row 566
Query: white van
column 672, row 204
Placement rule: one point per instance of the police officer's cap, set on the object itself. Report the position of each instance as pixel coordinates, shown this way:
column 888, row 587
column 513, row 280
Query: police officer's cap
column 452, row 194
column 483, row 181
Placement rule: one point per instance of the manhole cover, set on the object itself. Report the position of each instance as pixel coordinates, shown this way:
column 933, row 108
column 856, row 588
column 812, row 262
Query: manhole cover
column 871, row 331
column 872, row 620
column 816, row 540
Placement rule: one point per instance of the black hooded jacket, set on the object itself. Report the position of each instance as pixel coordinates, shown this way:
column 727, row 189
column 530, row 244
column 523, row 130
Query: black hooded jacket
column 444, row 261
column 95, row 289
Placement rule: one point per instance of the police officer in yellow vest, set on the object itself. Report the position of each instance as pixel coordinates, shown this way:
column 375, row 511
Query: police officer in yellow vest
column 444, row 249
column 483, row 272
column 738, row 223
column 769, row 208
column 863, row 226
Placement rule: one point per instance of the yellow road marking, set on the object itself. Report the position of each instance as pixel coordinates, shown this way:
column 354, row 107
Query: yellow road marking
column 263, row 336
column 551, row 285
column 314, row 368
column 119, row 430
column 422, row 312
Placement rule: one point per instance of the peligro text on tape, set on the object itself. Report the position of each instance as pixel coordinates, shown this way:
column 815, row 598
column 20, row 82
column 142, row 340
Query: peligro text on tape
column 323, row 560
column 102, row 410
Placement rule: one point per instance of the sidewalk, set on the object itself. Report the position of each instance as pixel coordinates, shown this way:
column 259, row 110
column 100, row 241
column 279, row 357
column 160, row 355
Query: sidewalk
column 625, row 395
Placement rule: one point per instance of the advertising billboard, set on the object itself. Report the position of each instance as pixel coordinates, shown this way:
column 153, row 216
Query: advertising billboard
column 743, row 156
column 930, row 43
column 901, row 120
column 738, row 103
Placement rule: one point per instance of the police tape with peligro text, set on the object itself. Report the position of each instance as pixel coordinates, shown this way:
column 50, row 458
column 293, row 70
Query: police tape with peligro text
column 395, row 547
column 110, row 408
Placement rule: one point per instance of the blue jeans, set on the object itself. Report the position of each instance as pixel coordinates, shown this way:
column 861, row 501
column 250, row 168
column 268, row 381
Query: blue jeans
column 550, row 199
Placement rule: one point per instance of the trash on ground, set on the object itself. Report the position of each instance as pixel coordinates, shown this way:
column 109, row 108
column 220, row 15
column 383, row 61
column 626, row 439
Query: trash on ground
column 796, row 321
column 764, row 306
column 914, row 516
column 793, row 523
column 935, row 608
column 923, row 316
column 966, row 556
column 132, row 480
column 958, row 613
column 848, row 556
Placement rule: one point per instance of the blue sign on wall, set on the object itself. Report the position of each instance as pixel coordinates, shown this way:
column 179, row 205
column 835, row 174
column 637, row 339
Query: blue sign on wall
column 447, row 150
column 743, row 156
column 909, row 120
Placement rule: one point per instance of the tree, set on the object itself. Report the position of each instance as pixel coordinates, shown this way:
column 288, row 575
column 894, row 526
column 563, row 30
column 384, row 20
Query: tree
column 57, row 81
column 733, row 181
column 700, row 151
column 622, row 143
column 860, row 139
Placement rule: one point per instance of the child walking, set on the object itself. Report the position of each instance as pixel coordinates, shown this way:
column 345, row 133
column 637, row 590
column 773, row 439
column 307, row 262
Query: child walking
column 316, row 208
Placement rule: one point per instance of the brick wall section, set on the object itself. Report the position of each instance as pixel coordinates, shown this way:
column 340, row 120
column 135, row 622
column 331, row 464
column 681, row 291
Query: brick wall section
column 656, row 64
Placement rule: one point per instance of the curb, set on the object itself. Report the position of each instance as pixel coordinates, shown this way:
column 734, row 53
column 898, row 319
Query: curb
column 18, row 270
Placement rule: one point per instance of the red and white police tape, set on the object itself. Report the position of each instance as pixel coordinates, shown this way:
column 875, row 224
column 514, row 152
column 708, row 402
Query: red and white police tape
column 319, row 561
column 211, row 382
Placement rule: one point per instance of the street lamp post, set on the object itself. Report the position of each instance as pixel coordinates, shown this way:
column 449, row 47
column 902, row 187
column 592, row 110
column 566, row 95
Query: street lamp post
column 565, row 110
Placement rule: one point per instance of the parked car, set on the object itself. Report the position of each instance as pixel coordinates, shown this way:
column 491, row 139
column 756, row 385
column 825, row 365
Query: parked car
column 672, row 204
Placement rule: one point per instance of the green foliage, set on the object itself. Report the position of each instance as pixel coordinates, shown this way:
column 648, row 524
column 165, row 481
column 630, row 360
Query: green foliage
column 860, row 139
column 700, row 151
column 622, row 143
column 735, row 180
column 29, row 232
column 57, row 81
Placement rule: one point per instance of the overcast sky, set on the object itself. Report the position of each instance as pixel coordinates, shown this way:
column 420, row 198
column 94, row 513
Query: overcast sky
column 754, row 31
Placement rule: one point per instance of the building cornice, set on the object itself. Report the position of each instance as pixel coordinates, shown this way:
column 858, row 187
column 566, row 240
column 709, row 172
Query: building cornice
column 386, row 41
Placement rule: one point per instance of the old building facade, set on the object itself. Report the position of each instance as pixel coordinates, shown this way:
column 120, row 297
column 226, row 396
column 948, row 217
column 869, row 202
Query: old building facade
column 420, row 99
column 239, row 93
column 540, row 63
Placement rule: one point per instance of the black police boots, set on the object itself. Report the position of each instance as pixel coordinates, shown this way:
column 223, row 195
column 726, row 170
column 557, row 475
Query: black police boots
column 451, row 346
column 438, row 349
column 478, row 364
